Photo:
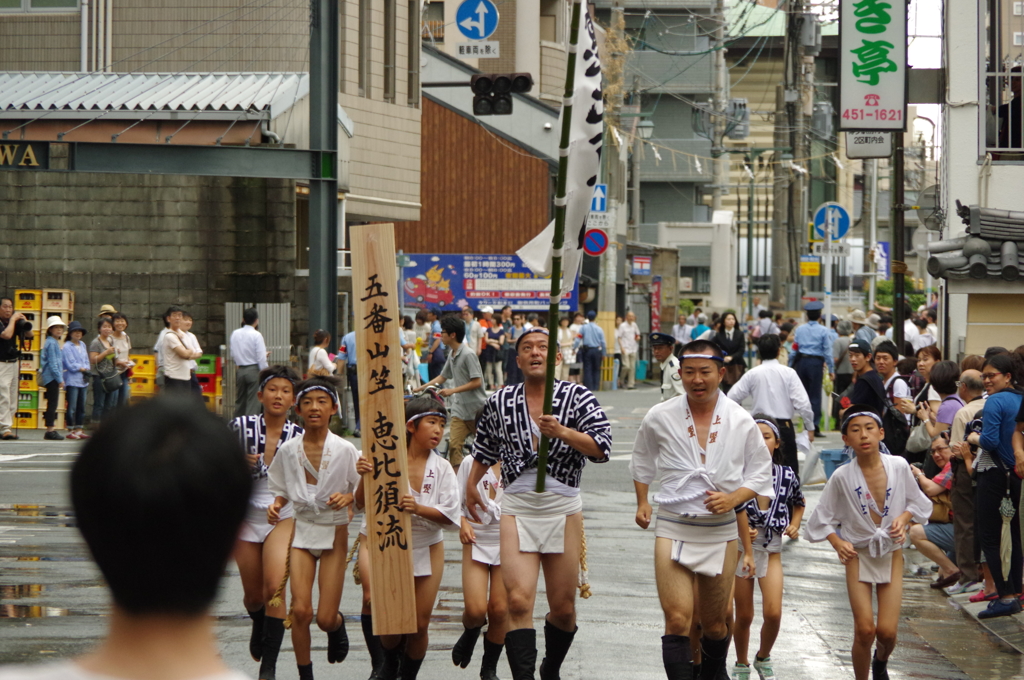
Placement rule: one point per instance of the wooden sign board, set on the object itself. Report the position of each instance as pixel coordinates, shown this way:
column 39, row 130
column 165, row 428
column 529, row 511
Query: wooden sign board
column 388, row 529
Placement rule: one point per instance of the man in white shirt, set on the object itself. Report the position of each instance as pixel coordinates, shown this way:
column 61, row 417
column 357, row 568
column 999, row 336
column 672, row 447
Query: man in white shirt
column 474, row 331
column 681, row 331
column 886, row 357
column 177, row 354
column 181, row 472
column 249, row 353
column 628, row 335
column 192, row 343
column 776, row 391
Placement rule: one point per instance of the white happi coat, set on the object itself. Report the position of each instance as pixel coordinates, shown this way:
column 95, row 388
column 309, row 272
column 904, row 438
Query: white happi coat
column 844, row 509
column 314, row 520
column 487, row 548
column 736, row 455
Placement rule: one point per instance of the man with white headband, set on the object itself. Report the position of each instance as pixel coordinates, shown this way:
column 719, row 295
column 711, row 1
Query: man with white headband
column 538, row 529
column 712, row 459
column 864, row 513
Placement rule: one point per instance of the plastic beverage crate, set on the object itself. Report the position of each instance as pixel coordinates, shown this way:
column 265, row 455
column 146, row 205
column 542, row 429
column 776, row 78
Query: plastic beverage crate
column 208, row 383
column 58, row 300
column 143, row 384
column 145, row 364
column 61, row 400
column 28, row 401
column 57, row 423
column 25, row 420
column 29, row 362
column 28, row 300
column 27, row 381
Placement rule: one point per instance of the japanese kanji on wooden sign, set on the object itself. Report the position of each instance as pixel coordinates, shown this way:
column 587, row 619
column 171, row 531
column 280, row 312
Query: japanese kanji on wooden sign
column 388, row 529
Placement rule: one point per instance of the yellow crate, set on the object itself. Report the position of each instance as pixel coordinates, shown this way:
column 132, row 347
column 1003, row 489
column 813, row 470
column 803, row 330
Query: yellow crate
column 219, row 388
column 143, row 384
column 58, row 423
column 29, row 362
column 25, row 420
column 145, row 364
column 37, row 341
column 58, row 300
column 27, row 381
column 61, row 401
column 28, row 300
column 213, row 403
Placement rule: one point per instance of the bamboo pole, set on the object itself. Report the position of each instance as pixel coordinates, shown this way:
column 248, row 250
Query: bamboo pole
column 559, row 240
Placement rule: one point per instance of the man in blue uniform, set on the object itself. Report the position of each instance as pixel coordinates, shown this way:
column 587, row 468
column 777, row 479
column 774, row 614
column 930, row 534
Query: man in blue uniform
column 813, row 344
column 592, row 348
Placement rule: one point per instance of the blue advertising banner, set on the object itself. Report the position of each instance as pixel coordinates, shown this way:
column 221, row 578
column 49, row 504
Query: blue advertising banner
column 450, row 282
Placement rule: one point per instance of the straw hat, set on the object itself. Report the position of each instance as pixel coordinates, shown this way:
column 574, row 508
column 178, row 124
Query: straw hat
column 858, row 317
column 107, row 309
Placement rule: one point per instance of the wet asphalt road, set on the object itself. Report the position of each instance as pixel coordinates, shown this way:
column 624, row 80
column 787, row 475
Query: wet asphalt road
column 52, row 603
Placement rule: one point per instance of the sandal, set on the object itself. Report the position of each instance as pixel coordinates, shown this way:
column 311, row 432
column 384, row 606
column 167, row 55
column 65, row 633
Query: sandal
column 982, row 596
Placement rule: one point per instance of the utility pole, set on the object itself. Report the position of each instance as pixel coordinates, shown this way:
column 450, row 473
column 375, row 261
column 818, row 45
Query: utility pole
column 721, row 162
column 899, row 267
column 780, row 203
column 634, row 234
column 872, row 232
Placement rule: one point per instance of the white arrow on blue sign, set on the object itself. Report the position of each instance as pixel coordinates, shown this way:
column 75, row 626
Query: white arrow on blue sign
column 834, row 214
column 477, row 19
column 599, row 203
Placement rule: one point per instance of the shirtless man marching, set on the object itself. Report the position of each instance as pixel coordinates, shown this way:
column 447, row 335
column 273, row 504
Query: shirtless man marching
column 713, row 459
column 539, row 530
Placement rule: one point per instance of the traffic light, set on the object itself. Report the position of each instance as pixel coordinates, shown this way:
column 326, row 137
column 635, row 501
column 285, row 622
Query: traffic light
column 492, row 92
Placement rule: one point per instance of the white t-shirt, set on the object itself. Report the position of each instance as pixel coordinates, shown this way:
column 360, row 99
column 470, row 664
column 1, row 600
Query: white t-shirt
column 69, row 670
column 175, row 366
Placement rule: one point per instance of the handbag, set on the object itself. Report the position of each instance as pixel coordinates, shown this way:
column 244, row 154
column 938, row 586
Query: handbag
column 942, row 509
column 318, row 369
column 109, row 377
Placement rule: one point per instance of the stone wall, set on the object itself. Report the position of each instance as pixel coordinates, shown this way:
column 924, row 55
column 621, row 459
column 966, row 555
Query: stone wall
column 142, row 243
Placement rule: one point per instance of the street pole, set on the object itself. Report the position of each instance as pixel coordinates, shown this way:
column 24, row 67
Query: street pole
column 780, row 202
column 873, row 233
column 830, row 219
column 899, row 267
column 635, row 162
column 721, row 160
column 750, row 240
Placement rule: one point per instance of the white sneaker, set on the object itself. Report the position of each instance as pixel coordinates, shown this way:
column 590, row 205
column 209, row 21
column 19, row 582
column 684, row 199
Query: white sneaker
column 960, row 588
column 741, row 672
column 764, row 668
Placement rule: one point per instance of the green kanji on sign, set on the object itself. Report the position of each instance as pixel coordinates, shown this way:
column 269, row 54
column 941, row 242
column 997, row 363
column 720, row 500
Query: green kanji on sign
column 873, row 56
column 872, row 16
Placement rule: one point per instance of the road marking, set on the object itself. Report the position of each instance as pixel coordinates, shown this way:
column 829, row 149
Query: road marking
column 626, row 456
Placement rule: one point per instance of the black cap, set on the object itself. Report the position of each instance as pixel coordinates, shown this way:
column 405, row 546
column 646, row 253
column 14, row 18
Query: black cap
column 662, row 339
column 858, row 345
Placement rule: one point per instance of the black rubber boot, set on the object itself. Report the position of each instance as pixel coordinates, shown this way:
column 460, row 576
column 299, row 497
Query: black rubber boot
column 337, row 643
column 306, row 672
column 878, row 668
column 372, row 646
column 462, row 652
column 273, row 634
column 676, row 654
column 714, row 655
column 521, row 650
column 409, row 668
column 392, row 660
column 556, row 645
column 489, row 667
column 256, row 637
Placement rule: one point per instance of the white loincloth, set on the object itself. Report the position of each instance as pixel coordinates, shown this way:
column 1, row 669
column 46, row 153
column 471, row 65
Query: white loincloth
column 760, row 554
column 317, row 535
column 873, row 569
column 487, row 549
column 255, row 527
column 540, row 519
column 699, row 543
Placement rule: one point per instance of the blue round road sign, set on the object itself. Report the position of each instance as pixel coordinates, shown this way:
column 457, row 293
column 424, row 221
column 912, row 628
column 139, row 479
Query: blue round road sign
column 477, row 19
column 836, row 215
column 595, row 242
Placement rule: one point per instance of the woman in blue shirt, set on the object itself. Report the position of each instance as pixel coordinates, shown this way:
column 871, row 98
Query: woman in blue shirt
column 76, row 379
column 51, row 373
column 996, row 478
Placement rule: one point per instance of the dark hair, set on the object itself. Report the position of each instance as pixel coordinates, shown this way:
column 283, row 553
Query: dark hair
column 930, row 313
column 813, row 314
column 422, row 404
column 532, row 316
column 435, row 311
column 118, row 315
column 250, row 316
column 777, row 455
column 702, row 347
column 908, row 348
column 854, row 409
column 886, row 347
column 1007, row 363
column 271, row 372
column 186, row 315
column 330, row 382
column 920, row 323
column 735, row 320
column 768, row 346
column 167, row 315
column 992, row 351
column 182, row 478
column 421, row 316
column 943, row 377
column 407, row 322
column 11, row 300
column 764, row 314
column 104, row 320
column 565, row 319
column 906, row 365
column 319, row 335
column 508, row 307
column 885, row 319
column 972, row 362
column 454, row 325
column 930, row 350
column 786, row 327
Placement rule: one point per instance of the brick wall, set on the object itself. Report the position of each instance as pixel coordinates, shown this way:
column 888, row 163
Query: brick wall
column 142, row 243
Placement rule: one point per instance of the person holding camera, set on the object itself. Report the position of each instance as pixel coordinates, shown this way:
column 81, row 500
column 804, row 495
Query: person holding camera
column 15, row 331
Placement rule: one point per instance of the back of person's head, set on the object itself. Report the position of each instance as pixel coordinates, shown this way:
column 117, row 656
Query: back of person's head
column 532, row 317
column 921, row 323
column 159, row 493
column 702, row 347
column 702, row 318
column 887, row 348
column 764, row 314
column 813, row 314
column 845, row 327
column 407, row 322
column 943, row 377
column 972, row 381
column 454, row 325
column 908, row 348
column 768, row 346
column 972, row 362
column 885, row 320
column 167, row 315
column 250, row 316
column 906, row 366
column 787, row 327
column 992, row 351
column 319, row 335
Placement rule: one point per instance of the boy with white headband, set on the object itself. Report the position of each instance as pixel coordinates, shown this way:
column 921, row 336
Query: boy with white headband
column 712, row 459
column 538, row 530
column 317, row 473
column 864, row 513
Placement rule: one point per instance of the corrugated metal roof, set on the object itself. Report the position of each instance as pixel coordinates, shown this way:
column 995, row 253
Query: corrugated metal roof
column 125, row 95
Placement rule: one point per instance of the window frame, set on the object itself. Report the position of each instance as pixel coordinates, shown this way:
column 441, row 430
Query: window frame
column 27, row 8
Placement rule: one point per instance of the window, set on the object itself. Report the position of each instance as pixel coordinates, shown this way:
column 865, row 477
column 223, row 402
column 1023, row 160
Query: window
column 1002, row 58
column 413, row 67
column 1018, row 38
column 38, row 5
column 1018, row 9
column 365, row 27
column 433, row 22
column 390, row 49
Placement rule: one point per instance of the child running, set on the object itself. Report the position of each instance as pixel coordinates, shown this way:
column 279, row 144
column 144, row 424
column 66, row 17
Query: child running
column 317, row 473
column 434, row 501
column 262, row 548
column 769, row 519
column 483, row 591
column 863, row 513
